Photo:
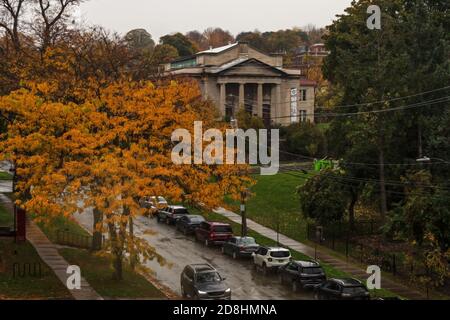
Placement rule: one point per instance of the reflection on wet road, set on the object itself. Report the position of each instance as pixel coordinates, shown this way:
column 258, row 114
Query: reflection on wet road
column 179, row 250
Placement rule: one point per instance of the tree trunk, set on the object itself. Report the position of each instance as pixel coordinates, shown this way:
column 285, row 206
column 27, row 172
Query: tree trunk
column 116, row 250
column 118, row 271
column 133, row 257
column 97, row 236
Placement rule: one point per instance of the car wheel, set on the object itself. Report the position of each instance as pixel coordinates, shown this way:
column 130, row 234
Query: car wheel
column 235, row 256
column 294, row 286
column 158, row 219
column 183, row 292
column 207, row 243
column 167, row 221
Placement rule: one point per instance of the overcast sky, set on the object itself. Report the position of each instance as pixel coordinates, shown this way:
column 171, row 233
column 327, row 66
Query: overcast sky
column 161, row 17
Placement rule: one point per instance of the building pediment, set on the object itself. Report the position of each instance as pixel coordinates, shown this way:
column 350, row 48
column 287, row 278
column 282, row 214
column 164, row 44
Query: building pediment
column 248, row 67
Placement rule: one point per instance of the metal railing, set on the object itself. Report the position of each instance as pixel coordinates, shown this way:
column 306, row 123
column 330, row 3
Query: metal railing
column 73, row 239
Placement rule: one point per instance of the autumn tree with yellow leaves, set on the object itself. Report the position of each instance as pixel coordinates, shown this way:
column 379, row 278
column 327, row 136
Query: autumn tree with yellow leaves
column 110, row 151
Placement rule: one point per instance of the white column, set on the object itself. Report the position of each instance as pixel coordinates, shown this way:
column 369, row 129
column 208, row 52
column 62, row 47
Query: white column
column 278, row 110
column 241, row 96
column 222, row 101
column 259, row 105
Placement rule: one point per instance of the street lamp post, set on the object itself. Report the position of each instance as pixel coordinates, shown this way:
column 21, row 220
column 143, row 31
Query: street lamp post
column 244, row 213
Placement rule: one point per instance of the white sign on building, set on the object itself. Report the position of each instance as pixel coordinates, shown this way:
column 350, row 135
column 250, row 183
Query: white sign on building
column 294, row 105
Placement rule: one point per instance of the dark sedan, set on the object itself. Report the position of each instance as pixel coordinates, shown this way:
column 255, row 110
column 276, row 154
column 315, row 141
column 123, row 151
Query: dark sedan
column 240, row 247
column 187, row 224
column 342, row 289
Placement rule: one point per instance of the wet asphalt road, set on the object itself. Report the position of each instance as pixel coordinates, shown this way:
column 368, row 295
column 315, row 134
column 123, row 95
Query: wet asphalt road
column 179, row 250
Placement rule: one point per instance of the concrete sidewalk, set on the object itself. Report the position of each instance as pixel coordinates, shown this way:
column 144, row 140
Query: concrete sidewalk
column 49, row 254
column 342, row 265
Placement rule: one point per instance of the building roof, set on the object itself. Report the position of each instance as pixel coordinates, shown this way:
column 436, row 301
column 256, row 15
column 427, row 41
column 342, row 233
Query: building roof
column 219, row 49
column 308, row 83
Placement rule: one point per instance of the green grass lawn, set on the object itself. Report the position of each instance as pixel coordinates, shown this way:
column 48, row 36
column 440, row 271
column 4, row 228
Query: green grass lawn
column 98, row 272
column 60, row 223
column 5, row 175
column 48, row 286
column 275, row 203
column 6, row 218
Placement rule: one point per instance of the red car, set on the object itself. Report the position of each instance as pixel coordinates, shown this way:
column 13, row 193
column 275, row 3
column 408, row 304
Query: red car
column 213, row 233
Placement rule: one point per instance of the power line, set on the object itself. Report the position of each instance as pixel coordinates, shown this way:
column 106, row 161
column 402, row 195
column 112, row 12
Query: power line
column 364, row 180
column 290, row 173
column 351, row 105
column 386, row 100
column 350, row 114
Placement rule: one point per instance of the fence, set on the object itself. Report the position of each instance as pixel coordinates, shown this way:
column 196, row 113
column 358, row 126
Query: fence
column 73, row 239
column 340, row 237
column 24, row 270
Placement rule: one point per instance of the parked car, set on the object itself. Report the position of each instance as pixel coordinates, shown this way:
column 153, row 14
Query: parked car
column 213, row 233
column 187, row 224
column 153, row 204
column 240, row 247
column 302, row 274
column 203, row 282
column 171, row 214
column 270, row 258
column 342, row 289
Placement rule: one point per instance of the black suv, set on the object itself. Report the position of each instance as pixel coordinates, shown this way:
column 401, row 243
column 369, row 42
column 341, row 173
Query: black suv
column 302, row 274
column 342, row 289
column 203, row 282
column 187, row 224
column 240, row 247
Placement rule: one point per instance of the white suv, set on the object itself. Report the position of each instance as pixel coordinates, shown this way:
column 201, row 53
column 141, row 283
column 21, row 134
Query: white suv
column 269, row 258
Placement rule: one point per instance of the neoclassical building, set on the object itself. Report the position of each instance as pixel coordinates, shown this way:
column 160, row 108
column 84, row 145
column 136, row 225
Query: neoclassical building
column 239, row 76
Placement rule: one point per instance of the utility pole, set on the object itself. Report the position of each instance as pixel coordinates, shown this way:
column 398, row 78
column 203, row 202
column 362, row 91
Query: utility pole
column 244, row 213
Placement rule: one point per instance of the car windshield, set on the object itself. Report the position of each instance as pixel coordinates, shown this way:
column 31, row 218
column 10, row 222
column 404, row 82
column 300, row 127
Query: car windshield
column 181, row 211
column 208, row 277
column 280, row 254
column 197, row 220
column 354, row 290
column 247, row 241
column 314, row 270
column 161, row 199
column 223, row 229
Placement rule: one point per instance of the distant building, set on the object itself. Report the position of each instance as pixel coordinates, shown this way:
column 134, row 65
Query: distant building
column 239, row 76
column 310, row 56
